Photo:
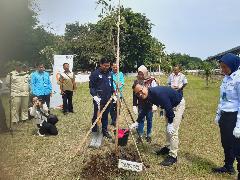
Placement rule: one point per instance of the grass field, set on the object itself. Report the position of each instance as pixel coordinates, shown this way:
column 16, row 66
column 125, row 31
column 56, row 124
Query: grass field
column 25, row 156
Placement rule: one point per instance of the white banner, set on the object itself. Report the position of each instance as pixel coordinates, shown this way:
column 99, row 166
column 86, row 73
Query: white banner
column 56, row 99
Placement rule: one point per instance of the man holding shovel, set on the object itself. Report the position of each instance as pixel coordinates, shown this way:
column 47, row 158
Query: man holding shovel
column 101, row 88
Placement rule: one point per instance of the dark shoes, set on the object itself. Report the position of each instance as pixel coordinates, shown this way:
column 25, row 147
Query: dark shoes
column 163, row 151
column 139, row 140
column 107, row 135
column 113, row 124
column 66, row 112
column 224, row 170
column 168, row 161
column 148, row 139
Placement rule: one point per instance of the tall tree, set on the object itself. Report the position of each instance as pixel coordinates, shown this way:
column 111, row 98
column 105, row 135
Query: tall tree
column 17, row 21
column 21, row 38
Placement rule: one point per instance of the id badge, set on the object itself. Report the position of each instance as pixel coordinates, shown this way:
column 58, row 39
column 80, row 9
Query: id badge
column 224, row 96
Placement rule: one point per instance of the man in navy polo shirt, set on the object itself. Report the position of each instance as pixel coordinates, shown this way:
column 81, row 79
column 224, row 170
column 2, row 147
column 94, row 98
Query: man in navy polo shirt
column 101, row 89
column 174, row 105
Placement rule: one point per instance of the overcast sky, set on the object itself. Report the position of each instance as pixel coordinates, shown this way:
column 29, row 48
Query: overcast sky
column 200, row 28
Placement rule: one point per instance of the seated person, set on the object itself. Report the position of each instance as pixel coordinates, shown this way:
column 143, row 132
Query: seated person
column 45, row 122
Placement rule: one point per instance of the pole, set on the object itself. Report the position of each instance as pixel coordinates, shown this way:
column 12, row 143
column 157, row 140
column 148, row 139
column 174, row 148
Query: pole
column 159, row 66
column 117, row 84
column 10, row 104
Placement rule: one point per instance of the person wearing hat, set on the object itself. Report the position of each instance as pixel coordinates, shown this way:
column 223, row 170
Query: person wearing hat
column 228, row 113
column 19, row 88
column 147, row 81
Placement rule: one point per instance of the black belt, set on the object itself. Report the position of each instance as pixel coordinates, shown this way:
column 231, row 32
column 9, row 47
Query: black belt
column 224, row 112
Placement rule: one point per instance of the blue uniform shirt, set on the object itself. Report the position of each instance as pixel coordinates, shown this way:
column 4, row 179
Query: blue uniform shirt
column 101, row 84
column 230, row 94
column 165, row 97
column 40, row 83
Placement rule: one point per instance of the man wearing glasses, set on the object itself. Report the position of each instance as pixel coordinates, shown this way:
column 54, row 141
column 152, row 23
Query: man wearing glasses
column 174, row 105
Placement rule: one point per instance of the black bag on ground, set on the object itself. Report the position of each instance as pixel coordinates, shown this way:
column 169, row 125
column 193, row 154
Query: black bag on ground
column 48, row 128
column 52, row 119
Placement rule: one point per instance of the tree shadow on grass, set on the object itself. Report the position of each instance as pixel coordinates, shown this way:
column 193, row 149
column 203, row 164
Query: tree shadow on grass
column 199, row 165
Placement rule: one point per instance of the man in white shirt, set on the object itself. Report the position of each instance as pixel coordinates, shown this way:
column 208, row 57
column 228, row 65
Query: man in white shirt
column 177, row 80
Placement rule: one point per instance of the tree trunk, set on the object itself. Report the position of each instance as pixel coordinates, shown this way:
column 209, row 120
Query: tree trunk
column 207, row 77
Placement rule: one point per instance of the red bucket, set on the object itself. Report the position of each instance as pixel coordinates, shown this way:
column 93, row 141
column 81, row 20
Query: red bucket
column 123, row 137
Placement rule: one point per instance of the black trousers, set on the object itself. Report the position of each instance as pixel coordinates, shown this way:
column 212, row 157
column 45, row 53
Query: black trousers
column 67, row 101
column 48, row 127
column 113, row 112
column 104, row 119
column 230, row 144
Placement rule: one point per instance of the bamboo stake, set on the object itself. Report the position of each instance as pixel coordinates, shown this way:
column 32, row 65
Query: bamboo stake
column 117, row 84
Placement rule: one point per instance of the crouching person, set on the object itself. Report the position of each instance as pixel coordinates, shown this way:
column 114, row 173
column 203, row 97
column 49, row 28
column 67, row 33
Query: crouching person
column 45, row 122
column 174, row 105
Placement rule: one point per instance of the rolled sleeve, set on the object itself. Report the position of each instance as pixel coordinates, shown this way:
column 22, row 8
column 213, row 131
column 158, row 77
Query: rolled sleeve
column 184, row 81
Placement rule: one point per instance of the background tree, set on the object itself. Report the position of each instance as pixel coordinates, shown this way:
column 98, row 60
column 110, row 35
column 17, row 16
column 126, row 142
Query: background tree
column 208, row 70
column 186, row 61
column 21, row 38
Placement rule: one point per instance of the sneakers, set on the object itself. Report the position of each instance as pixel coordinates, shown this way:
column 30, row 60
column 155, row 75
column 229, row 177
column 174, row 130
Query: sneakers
column 168, row 161
column 224, row 169
column 163, row 151
column 39, row 134
column 107, row 135
column 148, row 139
column 140, row 139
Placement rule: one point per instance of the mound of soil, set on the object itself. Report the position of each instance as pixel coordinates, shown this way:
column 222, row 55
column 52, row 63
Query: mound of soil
column 104, row 166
